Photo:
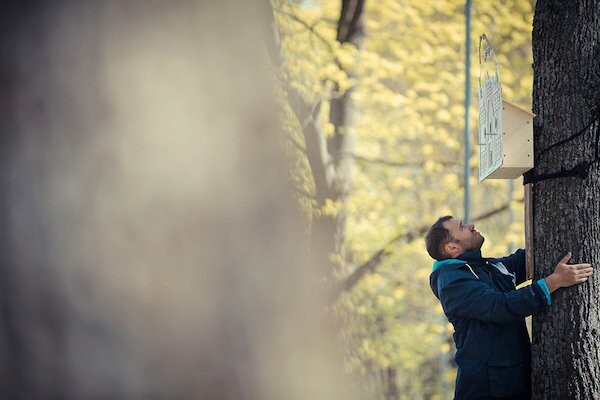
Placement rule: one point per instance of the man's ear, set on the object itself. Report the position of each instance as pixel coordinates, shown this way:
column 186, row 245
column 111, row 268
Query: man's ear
column 452, row 249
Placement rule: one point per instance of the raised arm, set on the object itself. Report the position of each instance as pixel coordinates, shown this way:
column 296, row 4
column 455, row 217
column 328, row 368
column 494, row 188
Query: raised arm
column 465, row 296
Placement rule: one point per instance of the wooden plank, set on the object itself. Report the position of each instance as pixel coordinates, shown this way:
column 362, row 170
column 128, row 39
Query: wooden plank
column 528, row 200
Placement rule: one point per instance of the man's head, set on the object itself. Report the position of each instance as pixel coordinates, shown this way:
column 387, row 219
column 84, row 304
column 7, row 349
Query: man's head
column 450, row 237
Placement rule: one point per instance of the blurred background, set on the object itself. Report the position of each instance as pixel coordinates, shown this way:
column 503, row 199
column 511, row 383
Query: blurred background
column 385, row 85
column 226, row 200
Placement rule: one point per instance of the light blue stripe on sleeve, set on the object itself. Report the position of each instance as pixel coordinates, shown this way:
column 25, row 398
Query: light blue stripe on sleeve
column 542, row 283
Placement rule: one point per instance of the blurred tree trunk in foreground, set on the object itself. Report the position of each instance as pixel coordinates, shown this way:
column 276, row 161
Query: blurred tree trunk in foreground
column 149, row 245
column 566, row 344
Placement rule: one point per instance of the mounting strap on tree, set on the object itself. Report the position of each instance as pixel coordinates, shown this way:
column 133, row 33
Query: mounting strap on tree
column 580, row 170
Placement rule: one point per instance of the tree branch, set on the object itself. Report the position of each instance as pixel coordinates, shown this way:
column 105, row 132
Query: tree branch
column 380, row 255
column 311, row 28
column 323, row 39
column 357, row 157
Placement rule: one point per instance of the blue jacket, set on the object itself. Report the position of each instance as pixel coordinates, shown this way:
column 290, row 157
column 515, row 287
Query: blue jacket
column 479, row 297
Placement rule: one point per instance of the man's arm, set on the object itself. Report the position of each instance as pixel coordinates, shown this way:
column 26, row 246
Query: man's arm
column 565, row 275
column 463, row 295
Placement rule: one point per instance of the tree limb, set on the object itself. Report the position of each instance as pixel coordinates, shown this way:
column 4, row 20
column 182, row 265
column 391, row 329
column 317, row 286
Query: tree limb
column 311, row 28
column 446, row 163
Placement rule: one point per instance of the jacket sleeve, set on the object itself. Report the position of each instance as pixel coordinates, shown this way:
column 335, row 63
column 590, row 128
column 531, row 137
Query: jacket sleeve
column 515, row 263
column 463, row 295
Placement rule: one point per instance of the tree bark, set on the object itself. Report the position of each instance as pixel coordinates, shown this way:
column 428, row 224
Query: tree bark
column 565, row 339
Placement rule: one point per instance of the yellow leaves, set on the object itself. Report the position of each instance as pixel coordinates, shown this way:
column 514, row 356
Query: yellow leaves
column 385, row 301
column 328, row 129
column 332, row 73
column 337, row 260
column 379, row 66
column 526, row 81
column 331, row 207
column 437, row 329
column 422, row 273
column 443, row 115
column 449, row 328
column 450, row 181
column 445, row 347
column 427, row 150
column 347, row 54
column 373, row 281
column 367, row 349
column 362, row 310
column 388, row 98
column 402, row 182
column 431, row 166
column 399, row 293
column 457, row 110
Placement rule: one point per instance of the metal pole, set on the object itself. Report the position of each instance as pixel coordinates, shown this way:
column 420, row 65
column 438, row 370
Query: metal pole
column 467, row 135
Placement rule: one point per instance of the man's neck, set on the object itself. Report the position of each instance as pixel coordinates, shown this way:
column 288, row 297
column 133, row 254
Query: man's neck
column 470, row 255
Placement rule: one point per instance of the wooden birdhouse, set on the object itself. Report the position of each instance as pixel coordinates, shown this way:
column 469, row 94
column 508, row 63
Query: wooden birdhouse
column 515, row 143
column 505, row 130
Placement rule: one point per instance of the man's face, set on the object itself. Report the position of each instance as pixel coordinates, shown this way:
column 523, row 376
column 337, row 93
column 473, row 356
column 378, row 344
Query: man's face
column 465, row 237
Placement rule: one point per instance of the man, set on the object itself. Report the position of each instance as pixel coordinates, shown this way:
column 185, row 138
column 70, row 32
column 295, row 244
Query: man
column 480, row 299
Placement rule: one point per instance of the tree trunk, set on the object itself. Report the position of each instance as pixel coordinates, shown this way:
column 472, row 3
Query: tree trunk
column 329, row 231
column 566, row 341
column 329, row 158
column 391, row 385
column 149, row 244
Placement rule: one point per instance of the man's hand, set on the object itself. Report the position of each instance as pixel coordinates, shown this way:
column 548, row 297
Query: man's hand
column 568, row 274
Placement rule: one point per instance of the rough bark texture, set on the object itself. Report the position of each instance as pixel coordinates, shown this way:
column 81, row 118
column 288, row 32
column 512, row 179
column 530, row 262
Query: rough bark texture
column 566, row 337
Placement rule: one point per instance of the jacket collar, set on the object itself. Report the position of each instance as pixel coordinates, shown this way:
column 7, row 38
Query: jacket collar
column 473, row 255
column 469, row 256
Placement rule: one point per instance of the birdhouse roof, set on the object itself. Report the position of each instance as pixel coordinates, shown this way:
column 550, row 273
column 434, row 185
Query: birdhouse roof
column 514, row 107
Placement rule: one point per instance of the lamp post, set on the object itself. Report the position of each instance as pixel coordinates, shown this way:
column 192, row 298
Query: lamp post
column 467, row 135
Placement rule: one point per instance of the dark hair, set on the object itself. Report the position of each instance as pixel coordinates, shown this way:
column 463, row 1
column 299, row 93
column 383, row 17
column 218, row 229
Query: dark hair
column 437, row 237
